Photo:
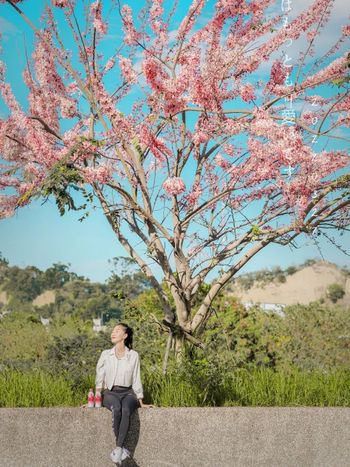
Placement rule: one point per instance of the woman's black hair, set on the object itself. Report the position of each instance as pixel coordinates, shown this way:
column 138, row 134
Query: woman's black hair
column 130, row 332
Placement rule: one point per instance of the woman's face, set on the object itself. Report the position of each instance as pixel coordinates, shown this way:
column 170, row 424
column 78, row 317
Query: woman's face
column 118, row 334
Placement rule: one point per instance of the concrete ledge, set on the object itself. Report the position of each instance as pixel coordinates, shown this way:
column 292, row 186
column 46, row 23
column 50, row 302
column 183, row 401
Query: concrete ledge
column 178, row 437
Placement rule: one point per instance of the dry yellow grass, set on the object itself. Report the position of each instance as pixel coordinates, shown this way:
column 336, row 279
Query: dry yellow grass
column 45, row 298
column 304, row 286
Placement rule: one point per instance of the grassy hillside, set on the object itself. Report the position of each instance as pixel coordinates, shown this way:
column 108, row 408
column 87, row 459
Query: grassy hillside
column 314, row 280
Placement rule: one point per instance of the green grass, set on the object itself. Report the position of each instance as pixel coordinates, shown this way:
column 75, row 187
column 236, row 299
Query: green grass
column 36, row 389
column 264, row 387
column 253, row 387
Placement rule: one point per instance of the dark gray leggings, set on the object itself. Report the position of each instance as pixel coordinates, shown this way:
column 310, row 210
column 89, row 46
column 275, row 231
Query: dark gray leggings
column 122, row 402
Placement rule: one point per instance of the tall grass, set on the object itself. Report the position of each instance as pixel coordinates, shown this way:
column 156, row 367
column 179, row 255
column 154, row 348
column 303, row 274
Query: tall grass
column 264, row 387
column 242, row 387
column 36, row 389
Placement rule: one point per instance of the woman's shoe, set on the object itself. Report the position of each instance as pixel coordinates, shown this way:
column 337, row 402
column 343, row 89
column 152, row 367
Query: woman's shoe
column 116, row 455
column 125, row 454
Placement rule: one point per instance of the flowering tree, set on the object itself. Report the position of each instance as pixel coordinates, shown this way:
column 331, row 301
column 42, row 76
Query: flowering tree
column 210, row 164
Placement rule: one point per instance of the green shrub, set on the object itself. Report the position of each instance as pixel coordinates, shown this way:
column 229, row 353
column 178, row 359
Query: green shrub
column 335, row 292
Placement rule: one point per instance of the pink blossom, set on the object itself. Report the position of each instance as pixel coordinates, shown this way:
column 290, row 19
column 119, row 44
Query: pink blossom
column 7, row 181
column 68, row 107
column 156, row 9
column 193, row 196
column 332, row 71
column 200, row 137
column 96, row 13
column 72, row 88
column 202, row 67
column 99, row 174
column 60, row 3
column 221, row 162
column 45, row 64
column 247, row 92
column 131, row 36
column 154, row 74
column 278, row 73
column 8, row 205
column 9, row 98
column 127, row 69
column 110, row 64
column 156, row 12
column 155, row 144
column 89, row 50
column 346, row 30
column 308, row 117
column 311, row 35
column 189, row 21
column 174, row 185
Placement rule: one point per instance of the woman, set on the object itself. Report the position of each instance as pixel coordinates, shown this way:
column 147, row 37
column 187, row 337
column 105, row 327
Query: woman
column 118, row 369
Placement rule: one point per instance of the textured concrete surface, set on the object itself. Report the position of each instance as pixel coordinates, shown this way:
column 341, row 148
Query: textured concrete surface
column 178, row 437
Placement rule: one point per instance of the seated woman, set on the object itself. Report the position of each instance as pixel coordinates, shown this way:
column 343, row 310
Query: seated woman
column 118, row 370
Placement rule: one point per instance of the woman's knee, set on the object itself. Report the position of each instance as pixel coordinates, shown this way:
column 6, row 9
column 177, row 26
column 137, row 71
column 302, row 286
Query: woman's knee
column 127, row 410
column 130, row 406
column 110, row 402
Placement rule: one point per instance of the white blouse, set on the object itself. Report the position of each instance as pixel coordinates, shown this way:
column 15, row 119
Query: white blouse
column 112, row 371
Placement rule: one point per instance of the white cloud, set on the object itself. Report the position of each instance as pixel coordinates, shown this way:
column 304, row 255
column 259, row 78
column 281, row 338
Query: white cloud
column 330, row 33
column 7, row 28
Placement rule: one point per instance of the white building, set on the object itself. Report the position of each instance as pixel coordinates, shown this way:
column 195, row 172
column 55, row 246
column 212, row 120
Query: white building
column 272, row 307
column 98, row 325
column 45, row 321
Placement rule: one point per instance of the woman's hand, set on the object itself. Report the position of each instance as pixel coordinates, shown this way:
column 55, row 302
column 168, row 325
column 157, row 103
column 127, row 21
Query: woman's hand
column 145, row 405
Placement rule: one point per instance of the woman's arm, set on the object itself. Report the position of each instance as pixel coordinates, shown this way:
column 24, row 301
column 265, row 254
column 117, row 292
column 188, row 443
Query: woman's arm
column 136, row 380
column 100, row 373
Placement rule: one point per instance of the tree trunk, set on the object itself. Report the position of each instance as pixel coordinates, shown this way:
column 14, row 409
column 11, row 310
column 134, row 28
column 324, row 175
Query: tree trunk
column 179, row 348
column 167, row 351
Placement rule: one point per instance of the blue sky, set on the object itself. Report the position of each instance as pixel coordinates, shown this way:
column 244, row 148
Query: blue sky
column 38, row 235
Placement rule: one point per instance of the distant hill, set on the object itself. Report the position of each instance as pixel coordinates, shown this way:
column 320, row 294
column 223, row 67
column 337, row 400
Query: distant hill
column 302, row 284
column 295, row 284
column 45, row 298
column 3, row 297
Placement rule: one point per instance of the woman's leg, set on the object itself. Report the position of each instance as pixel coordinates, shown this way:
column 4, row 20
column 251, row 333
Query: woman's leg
column 112, row 401
column 129, row 404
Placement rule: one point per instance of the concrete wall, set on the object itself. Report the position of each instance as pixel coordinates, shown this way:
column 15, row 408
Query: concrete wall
column 178, row 437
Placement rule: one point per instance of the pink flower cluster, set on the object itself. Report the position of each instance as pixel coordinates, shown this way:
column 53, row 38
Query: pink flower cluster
column 174, row 185
column 193, row 196
column 168, row 91
column 277, row 78
column 121, row 126
column 247, row 92
column 156, row 145
column 346, row 30
column 154, row 74
column 8, row 204
column 68, row 107
column 334, row 70
column 156, row 12
column 100, row 174
column 60, row 3
column 110, row 64
column 96, row 13
column 221, row 162
column 127, row 70
column 72, row 88
column 189, row 21
column 45, row 66
column 131, row 35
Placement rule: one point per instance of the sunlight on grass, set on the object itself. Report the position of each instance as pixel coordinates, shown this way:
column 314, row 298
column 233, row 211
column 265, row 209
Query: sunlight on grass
column 242, row 387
